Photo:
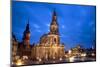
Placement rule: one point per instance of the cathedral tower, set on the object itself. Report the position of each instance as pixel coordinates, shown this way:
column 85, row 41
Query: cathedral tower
column 52, row 38
column 54, row 25
column 54, row 31
column 26, row 36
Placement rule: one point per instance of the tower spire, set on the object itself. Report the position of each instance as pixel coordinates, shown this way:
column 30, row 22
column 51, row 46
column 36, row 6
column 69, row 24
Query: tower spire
column 54, row 24
column 26, row 36
column 54, row 16
column 27, row 27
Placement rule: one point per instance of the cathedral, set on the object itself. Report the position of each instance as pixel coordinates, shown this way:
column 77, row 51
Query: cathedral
column 49, row 47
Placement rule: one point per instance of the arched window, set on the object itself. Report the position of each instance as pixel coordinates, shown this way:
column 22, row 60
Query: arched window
column 54, row 40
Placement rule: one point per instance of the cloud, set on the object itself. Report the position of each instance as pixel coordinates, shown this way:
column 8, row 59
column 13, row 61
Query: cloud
column 62, row 35
column 63, row 26
column 48, row 30
column 48, row 25
column 39, row 31
column 36, row 26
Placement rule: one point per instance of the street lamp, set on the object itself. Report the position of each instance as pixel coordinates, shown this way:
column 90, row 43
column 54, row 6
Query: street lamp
column 83, row 54
column 40, row 60
column 71, row 59
column 69, row 52
column 60, row 59
column 19, row 62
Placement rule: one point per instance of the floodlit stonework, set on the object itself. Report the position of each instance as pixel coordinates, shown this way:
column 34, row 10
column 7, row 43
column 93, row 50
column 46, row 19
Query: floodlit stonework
column 49, row 46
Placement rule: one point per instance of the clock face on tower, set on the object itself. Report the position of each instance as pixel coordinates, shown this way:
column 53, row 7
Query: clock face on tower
column 53, row 28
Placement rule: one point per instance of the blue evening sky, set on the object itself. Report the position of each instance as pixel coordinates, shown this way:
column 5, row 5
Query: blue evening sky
column 76, row 22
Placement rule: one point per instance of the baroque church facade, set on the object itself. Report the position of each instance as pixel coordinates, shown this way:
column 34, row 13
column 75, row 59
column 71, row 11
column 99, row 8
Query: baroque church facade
column 49, row 46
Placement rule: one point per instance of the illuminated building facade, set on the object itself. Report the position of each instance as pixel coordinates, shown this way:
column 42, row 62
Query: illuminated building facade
column 49, row 46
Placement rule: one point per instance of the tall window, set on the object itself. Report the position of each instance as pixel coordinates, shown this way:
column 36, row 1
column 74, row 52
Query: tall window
column 55, row 40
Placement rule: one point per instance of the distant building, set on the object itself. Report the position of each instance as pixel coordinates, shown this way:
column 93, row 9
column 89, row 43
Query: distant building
column 14, row 45
column 14, row 48
column 77, row 51
column 49, row 46
column 24, row 47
